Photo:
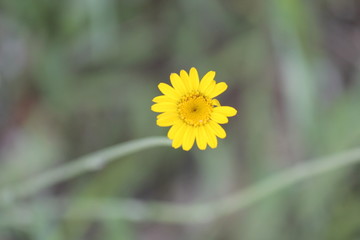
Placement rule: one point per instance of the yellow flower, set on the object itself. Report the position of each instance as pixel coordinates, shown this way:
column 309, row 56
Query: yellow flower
column 190, row 108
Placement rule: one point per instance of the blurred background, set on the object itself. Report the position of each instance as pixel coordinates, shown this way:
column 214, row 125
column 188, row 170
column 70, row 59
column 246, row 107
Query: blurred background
column 77, row 76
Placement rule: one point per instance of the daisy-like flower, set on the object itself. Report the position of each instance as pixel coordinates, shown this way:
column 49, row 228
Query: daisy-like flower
column 190, row 108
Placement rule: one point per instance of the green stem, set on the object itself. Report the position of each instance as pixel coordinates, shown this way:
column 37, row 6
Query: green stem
column 135, row 210
column 91, row 162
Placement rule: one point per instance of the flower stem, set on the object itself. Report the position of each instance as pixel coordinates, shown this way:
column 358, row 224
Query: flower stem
column 135, row 210
column 91, row 162
column 141, row 211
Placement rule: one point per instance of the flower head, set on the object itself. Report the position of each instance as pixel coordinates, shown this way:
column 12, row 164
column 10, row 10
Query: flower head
column 190, row 108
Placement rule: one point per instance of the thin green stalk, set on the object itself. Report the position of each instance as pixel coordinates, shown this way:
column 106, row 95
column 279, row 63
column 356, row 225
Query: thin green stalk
column 135, row 210
column 140, row 211
column 91, row 162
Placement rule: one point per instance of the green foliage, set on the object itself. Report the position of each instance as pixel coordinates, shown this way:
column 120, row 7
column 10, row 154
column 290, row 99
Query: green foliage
column 77, row 76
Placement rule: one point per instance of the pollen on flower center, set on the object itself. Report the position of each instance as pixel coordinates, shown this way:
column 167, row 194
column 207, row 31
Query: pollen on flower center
column 195, row 109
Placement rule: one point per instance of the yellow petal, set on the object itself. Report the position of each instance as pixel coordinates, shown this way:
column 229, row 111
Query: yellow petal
column 168, row 90
column 186, row 80
column 166, row 119
column 206, row 80
column 177, row 82
column 189, row 138
column 164, row 123
column 163, row 98
column 194, row 79
column 218, row 89
column 219, row 118
column 210, row 88
column 167, row 112
column 201, row 138
column 218, row 130
column 174, row 129
column 210, row 137
column 216, row 103
column 225, row 110
column 163, row 107
column 179, row 136
column 171, row 114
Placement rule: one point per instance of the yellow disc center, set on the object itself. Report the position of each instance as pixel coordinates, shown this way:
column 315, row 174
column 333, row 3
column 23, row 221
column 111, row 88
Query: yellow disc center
column 195, row 109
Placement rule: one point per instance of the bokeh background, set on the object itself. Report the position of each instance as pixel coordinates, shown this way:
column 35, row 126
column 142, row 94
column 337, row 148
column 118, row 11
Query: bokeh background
column 77, row 76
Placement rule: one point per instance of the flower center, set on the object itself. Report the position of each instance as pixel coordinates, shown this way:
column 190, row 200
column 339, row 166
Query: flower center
column 195, row 109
